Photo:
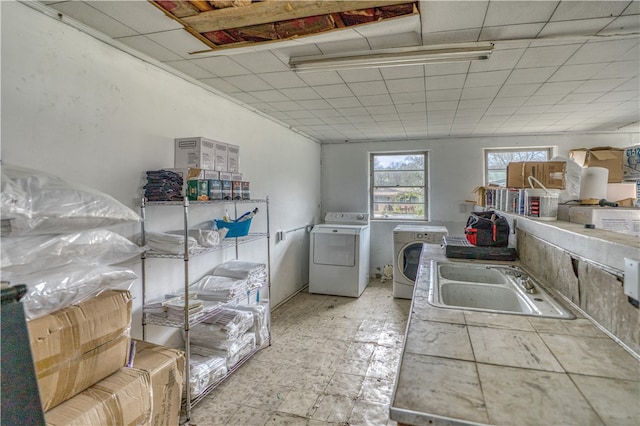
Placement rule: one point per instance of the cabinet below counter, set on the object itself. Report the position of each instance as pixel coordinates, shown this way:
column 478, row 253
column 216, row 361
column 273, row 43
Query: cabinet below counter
column 468, row 367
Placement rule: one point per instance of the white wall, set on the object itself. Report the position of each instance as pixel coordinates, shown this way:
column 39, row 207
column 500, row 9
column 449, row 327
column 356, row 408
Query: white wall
column 90, row 113
column 455, row 168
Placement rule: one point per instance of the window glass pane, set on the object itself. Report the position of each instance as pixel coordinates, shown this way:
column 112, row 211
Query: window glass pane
column 497, row 161
column 399, row 178
column 399, row 195
column 398, row 162
column 398, row 211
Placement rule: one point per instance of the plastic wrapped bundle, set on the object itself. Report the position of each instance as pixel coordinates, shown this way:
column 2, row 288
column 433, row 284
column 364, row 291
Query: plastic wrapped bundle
column 229, row 349
column 254, row 273
column 217, row 288
column 226, row 325
column 205, row 370
column 23, row 255
column 204, row 237
column 38, row 203
column 260, row 321
column 168, row 243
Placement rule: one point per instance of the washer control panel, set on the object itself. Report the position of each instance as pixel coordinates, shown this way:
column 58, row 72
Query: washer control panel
column 429, row 237
column 347, row 218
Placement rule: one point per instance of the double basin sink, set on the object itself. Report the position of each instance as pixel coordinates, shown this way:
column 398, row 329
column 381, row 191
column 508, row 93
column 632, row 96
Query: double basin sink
column 491, row 288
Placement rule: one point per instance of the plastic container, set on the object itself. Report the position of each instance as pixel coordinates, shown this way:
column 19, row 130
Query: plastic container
column 541, row 204
column 512, row 201
column 236, row 229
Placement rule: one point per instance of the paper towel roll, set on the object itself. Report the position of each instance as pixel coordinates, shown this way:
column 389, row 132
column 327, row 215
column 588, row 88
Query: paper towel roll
column 593, row 183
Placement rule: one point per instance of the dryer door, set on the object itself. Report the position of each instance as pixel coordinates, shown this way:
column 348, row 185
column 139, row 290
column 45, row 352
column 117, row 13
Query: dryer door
column 409, row 259
column 335, row 246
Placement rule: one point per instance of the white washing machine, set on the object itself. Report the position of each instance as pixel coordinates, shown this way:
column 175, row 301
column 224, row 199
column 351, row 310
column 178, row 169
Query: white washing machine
column 407, row 247
column 339, row 255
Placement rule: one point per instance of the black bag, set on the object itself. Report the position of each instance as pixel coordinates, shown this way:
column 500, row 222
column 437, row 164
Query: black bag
column 487, row 229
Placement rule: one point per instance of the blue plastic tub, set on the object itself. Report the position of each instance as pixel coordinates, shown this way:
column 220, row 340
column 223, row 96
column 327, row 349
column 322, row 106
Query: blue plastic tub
column 236, row 229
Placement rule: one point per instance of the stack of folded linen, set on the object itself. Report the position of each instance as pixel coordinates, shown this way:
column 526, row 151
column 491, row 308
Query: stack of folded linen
column 163, row 185
column 168, row 243
column 204, row 371
column 254, row 273
column 222, row 289
column 225, row 325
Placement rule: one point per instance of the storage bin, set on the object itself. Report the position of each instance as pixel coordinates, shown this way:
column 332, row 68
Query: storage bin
column 236, row 229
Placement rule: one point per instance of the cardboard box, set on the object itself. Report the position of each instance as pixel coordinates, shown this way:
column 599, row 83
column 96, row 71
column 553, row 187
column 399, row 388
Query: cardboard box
column 198, row 190
column 607, row 157
column 197, row 152
column 215, row 189
column 246, row 191
column 226, row 189
column 236, row 190
column 221, row 155
column 166, row 369
column 625, row 220
column 631, row 163
column 479, row 192
column 77, row 347
column 233, row 158
column 621, row 191
column 123, row 398
column 552, row 174
column 236, row 176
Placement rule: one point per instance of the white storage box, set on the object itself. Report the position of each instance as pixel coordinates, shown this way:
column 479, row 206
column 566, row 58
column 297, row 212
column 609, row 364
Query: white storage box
column 221, row 154
column 233, row 158
column 197, row 152
column 625, row 220
column 631, row 163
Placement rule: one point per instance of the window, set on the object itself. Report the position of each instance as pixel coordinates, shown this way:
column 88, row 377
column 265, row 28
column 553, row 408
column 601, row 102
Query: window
column 496, row 161
column 399, row 186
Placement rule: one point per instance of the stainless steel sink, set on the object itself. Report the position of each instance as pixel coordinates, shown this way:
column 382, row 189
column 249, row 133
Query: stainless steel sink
column 491, row 288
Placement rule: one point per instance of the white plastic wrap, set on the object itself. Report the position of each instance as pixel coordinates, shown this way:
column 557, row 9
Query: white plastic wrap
column 55, row 289
column 214, row 288
column 204, row 237
column 205, row 371
column 37, row 203
column 23, row 255
column 168, row 243
column 232, row 350
column 260, row 321
column 239, row 269
column 228, row 324
column 573, row 176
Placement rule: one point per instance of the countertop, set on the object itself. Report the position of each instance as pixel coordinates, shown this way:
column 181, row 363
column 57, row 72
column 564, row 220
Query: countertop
column 470, row 367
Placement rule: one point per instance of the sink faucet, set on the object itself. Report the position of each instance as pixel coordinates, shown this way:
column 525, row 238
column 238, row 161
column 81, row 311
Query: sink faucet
column 521, row 277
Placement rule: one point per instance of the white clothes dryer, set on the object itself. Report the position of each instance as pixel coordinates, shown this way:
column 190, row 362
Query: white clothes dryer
column 407, row 248
column 339, row 255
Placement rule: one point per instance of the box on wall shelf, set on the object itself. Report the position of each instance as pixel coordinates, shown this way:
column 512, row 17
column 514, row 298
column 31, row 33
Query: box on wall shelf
column 607, row 157
column 197, row 152
column 123, row 398
column 215, row 189
column 190, row 173
column 236, row 190
column 246, row 191
column 631, row 166
column 198, row 190
column 166, row 369
column 625, row 220
column 233, row 158
column 552, row 174
column 221, row 156
column 78, row 346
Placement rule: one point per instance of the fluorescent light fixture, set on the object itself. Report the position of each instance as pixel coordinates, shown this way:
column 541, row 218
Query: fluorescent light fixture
column 393, row 57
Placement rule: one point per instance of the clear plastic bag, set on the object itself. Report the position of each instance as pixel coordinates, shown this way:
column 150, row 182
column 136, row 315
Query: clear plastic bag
column 55, row 289
column 228, row 324
column 37, row 203
column 23, row 255
column 205, row 371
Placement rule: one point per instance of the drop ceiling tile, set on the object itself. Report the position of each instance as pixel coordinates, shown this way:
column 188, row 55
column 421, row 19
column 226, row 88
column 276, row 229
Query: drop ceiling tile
column 411, row 107
column 333, row 91
column 547, row 56
column 558, row 88
column 248, row 83
column 396, row 73
column 585, row 27
column 354, row 76
column 487, row 92
column 354, row 45
column 433, row 70
column 368, row 88
column 493, row 111
column 445, row 16
column 510, row 32
column 375, row 100
column 442, row 82
column 499, row 60
column 382, row 109
column 261, row 62
column 532, row 109
column 221, row 85
column 407, row 98
column 617, row 96
column 413, row 116
column 442, row 106
column 344, row 102
column 632, row 84
column 310, row 121
column 284, row 106
column 604, row 85
column 83, row 12
column 190, row 69
column 149, row 47
column 530, row 75
column 618, row 69
column 515, row 90
column 300, row 93
column 245, row 97
column 446, row 37
column 622, row 25
column 405, row 39
column 578, row 10
column 517, row 12
column 313, row 104
column 221, row 66
column 489, row 78
column 141, row 16
column 272, row 96
column 406, row 85
column 508, row 102
column 471, row 113
column 474, row 103
column 283, row 80
column 444, row 95
column 353, row 112
column 178, row 41
column 603, row 51
column 579, row 98
column 544, row 99
column 321, row 78
column 576, row 72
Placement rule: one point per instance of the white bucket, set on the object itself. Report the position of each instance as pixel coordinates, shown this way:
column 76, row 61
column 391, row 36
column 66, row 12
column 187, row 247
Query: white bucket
column 541, row 204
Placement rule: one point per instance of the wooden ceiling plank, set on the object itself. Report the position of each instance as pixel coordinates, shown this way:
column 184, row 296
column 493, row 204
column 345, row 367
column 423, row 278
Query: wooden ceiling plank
column 273, row 11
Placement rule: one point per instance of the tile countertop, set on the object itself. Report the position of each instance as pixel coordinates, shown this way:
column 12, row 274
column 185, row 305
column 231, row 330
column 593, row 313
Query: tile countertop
column 468, row 367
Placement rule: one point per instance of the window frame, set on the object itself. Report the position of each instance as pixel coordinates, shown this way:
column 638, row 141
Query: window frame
column 425, row 184
column 488, row 151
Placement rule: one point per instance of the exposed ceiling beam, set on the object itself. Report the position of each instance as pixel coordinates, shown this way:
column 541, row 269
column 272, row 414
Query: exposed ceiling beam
column 277, row 10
